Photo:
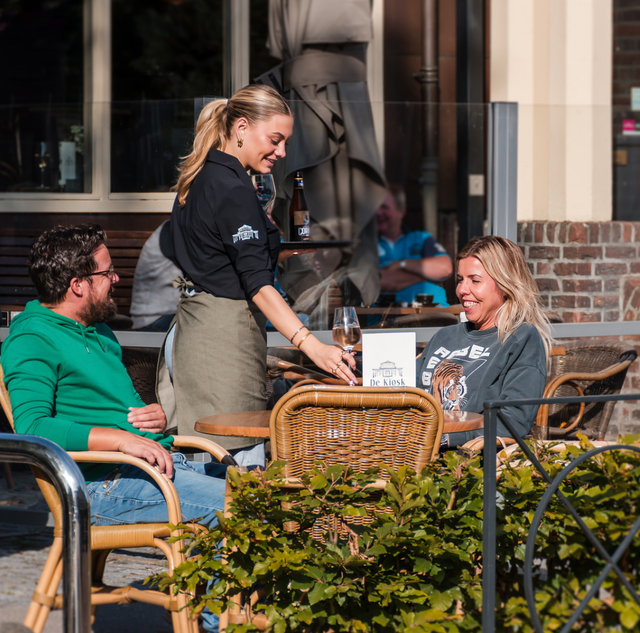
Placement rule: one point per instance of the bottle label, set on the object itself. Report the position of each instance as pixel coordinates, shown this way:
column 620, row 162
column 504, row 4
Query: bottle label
column 301, row 217
column 301, row 224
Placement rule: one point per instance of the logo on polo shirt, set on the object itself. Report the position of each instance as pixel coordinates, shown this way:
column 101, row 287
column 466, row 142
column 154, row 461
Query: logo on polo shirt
column 245, row 232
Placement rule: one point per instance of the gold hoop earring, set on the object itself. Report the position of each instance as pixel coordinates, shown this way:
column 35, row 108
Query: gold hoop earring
column 240, row 141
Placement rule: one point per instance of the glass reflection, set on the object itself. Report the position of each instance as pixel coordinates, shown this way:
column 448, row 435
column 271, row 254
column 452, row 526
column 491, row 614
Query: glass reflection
column 42, row 117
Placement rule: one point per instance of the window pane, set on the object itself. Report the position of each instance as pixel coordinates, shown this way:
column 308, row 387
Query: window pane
column 626, row 110
column 41, row 101
column 165, row 53
column 260, row 60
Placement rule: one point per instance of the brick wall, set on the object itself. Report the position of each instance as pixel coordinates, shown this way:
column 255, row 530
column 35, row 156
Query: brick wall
column 590, row 272
column 586, row 271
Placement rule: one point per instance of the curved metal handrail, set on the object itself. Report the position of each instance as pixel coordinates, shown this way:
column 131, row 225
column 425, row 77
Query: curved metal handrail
column 491, row 412
column 611, row 560
column 69, row 482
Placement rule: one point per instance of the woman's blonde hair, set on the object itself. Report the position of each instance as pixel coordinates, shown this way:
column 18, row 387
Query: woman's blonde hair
column 504, row 262
column 215, row 124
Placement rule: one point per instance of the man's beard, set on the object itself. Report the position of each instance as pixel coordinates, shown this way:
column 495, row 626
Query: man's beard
column 99, row 311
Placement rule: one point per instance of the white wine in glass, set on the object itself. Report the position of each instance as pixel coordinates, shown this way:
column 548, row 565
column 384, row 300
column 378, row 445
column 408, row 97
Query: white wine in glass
column 346, row 328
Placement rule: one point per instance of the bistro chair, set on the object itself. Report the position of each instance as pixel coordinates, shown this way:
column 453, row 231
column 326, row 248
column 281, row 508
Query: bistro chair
column 362, row 427
column 141, row 364
column 279, row 365
column 359, row 426
column 104, row 539
column 590, row 367
column 292, row 376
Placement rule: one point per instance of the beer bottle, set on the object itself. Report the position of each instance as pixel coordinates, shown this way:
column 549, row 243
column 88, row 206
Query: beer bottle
column 298, row 212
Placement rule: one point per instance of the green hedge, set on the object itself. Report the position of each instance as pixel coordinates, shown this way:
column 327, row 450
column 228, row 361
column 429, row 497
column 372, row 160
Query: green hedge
column 417, row 565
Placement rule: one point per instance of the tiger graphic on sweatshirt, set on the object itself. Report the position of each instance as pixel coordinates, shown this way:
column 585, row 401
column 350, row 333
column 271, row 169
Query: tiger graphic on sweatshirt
column 450, row 386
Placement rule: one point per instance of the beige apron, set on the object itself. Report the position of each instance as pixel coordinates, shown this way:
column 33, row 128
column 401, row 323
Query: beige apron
column 219, row 365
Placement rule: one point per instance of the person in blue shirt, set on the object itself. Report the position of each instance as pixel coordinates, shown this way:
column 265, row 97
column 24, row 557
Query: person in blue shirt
column 411, row 262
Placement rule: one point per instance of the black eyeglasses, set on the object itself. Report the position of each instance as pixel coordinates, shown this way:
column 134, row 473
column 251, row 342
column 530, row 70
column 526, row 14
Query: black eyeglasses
column 110, row 274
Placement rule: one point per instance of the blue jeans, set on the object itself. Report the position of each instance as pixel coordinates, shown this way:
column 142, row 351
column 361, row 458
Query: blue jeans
column 128, row 495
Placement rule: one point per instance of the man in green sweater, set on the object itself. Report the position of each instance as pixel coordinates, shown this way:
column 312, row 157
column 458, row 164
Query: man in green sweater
column 64, row 372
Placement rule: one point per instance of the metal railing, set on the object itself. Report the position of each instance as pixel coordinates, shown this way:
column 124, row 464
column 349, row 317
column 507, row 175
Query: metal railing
column 69, row 482
column 491, row 409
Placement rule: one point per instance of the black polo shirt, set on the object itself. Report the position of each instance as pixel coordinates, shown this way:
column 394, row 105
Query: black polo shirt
column 222, row 239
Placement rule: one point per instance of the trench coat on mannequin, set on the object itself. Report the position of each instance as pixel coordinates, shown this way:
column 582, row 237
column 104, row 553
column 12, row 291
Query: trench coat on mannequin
column 322, row 45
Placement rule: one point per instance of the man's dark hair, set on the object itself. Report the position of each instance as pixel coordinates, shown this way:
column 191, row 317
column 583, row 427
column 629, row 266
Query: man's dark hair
column 59, row 255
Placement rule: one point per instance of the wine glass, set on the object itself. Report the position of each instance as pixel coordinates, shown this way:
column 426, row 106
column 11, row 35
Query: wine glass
column 346, row 328
column 265, row 189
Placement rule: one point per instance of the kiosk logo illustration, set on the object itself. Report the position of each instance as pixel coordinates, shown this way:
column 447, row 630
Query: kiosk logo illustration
column 245, row 232
column 391, row 374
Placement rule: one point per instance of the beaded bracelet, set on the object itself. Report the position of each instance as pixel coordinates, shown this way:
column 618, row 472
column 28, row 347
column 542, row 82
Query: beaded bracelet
column 302, row 327
column 303, row 339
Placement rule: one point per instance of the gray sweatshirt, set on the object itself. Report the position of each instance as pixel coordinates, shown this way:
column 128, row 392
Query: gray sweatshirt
column 463, row 368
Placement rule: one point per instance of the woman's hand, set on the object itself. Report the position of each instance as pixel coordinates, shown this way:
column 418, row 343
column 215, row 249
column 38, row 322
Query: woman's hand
column 331, row 358
column 285, row 253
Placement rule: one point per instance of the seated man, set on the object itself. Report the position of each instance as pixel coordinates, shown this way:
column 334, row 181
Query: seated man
column 67, row 383
column 410, row 261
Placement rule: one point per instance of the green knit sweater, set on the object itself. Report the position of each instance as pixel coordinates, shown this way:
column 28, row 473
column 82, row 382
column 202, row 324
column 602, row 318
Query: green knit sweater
column 64, row 379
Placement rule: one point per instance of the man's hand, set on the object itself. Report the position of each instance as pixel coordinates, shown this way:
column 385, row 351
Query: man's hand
column 393, row 277
column 104, row 439
column 149, row 450
column 150, row 418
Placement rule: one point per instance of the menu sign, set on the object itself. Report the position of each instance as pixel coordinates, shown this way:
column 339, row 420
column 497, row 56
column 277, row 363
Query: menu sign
column 389, row 359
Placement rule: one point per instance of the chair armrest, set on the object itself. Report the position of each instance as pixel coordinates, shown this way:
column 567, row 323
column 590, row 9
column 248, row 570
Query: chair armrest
column 116, row 457
column 306, row 381
column 325, row 381
column 477, row 443
column 542, row 418
column 612, row 370
column 274, row 362
column 193, row 441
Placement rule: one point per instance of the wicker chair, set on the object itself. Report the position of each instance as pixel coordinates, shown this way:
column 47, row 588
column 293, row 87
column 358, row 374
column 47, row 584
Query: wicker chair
column 141, row 363
column 362, row 427
column 104, row 539
column 583, row 368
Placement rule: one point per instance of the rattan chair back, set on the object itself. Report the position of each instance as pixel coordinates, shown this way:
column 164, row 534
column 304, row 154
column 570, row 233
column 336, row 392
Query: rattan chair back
column 590, row 367
column 363, row 427
column 141, row 363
